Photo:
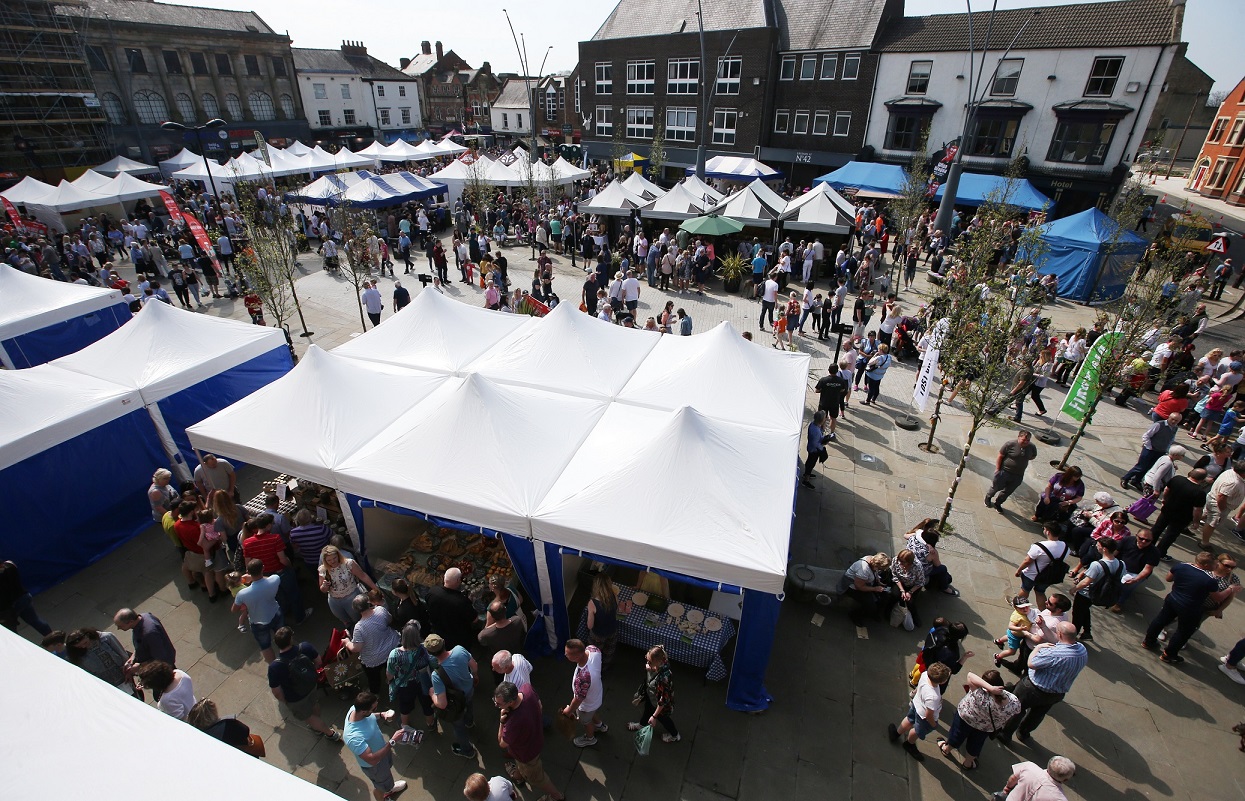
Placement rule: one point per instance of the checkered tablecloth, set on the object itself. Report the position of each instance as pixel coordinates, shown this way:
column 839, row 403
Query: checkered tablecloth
column 643, row 629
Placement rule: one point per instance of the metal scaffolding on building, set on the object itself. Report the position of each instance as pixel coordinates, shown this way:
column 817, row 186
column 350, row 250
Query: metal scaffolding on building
column 50, row 116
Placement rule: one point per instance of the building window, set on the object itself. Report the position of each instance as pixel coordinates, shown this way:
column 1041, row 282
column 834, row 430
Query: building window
column 172, row 62
column 1007, row 76
column 786, row 71
column 801, row 123
column 113, row 108
column 150, row 107
column 918, row 77
column 641, row 77
column 782, row 120
column 325, row 118
column 233, row 107
column 851, row 67
column 605, row 121
column 320, row 91
column 505, row 121
column 808, row 68
column 682, row 76
column 401, row 91
column 261, row 106
column 1216, row 132
column 551, row 106
column 829, row 65
column 278, row 66
column 134, row 57
column 478, row 109
column 729, row 70
column 1240, row 185
column 384, row 116
column 252, row 64
column 185, row 106
column 380, row 90
column 561, row 98
column 576, row 97
column 1219, row 175
column 842, row 123
column 210, row 107
column 198, row 64
column 223, row 65
column 725, row 120
column 345, row 91
column 348, row 116
column 405, row 114
column 681, row 124
column 994, row 138
column 1103, row 76
column 604, row 78
column 97, row 58
column 1237, row 135
column 287, row 106
column 639, row 122
column 903, row 132
column 1078, row 142
column 518, row 121
column 821, row 123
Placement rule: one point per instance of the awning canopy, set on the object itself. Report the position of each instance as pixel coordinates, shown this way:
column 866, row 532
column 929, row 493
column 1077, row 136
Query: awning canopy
column 887, row 181
column 819, row 209
column 72, row 316
column 677, row 204
column 867, row 178
column 121, row 164
column 613, row 201
column 737, row 168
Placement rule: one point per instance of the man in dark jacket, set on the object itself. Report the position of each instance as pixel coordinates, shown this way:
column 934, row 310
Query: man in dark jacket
column 452, row 614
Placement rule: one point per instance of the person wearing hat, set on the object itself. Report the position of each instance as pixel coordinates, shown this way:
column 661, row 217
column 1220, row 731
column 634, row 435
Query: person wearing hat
column 457, row 667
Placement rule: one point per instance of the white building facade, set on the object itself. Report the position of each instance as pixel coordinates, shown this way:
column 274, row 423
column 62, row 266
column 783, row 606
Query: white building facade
column 511, row 112
column 1075, row 114
column 352, row 98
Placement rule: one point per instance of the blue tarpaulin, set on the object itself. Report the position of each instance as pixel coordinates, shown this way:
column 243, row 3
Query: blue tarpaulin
column 867, row 178
column 887, row 180
column 1090, row 255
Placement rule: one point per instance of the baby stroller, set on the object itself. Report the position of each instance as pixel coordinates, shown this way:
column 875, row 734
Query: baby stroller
column 906, row 335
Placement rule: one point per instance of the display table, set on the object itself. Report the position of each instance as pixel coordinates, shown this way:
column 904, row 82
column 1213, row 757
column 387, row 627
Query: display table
column 687, row 638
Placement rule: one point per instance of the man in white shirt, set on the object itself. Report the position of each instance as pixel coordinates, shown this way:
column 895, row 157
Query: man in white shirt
column 631, row 292
column 922, row 717
column 372, row 302
column 587, row 692
column 769, row 296
column 513, row 668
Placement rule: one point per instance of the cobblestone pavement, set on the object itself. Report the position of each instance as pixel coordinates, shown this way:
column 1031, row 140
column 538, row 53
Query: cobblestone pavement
column 1136, row 727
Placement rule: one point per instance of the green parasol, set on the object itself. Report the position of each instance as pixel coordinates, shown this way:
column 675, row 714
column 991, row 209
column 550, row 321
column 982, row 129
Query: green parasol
column 712, row 225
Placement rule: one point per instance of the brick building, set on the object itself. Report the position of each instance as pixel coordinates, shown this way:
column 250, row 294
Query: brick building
column 454, row 95
column 152, row 62
column 1219, row 171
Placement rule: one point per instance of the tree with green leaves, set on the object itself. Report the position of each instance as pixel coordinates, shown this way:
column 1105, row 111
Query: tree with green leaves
column 657, row 150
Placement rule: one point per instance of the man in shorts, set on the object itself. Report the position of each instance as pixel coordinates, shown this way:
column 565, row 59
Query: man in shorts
column 363, row 737
column 922, row 717
column 259, row 600
column 1223, row 502
column 832, row 390
column 292, row 679
column 522, row 735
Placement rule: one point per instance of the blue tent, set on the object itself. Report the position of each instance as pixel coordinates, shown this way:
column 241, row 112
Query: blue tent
column 76, row 458
column 41, row 320
column 887, row 180
column 1091, row 255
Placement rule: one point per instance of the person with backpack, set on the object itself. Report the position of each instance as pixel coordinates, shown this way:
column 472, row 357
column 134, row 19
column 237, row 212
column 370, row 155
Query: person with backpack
column 1044, row 564
column 453, row 682
column 1099, row 586
column 1193, row 585
column 294, row 680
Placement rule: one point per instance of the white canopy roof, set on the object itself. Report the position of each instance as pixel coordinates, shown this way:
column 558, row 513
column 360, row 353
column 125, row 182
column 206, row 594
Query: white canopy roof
column 92, row 181
column 164, row 350
column 704, row 372
column 755, row 204
column 701, row 189
column 430, row 334
column 449, row 147
column 106, row 725
column 498, row 174
column 614, row 200
column 67, row 197
column 286, row 163
column 677, row 204
column 29, row 302
column 563, row 351
column 27, row 190
column 121, row 164
column 458, row 170
column 320, row 159
column 506, row 429
column 639, row 185
column 45, row 406
column 819, row 209
column 327, row 187
column 732, row 528
column 569, row 172
column 198, row 171
column 126, row 187
column 374, row 150
column 297, row 148
column 402, row 150
column 322, row 426
column 248, row 167
column 181, row 161
column 739, row 168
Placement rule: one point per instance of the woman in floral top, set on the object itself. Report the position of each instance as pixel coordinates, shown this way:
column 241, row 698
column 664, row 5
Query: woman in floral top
column 656, row 695
column 985, row 709
column 909, row 577
column 1114, row 527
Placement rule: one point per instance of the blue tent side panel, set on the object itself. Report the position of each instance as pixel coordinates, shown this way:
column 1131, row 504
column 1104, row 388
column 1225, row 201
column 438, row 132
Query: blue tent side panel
column 975, row 189
column 66, row 337
column 55, row 525
column 746, row 691
column 204, row 399
column 866, row 177
column 1090, row 255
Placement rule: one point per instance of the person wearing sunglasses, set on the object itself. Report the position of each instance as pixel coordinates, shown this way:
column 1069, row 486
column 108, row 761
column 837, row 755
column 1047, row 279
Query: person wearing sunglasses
column 1140, row 556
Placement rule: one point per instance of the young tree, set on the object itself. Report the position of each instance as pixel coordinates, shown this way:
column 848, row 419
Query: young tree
column 984, row 308
column 355, row 226
column 913, row 200
column 657, row 150
column 269, row 262
column 475, row 188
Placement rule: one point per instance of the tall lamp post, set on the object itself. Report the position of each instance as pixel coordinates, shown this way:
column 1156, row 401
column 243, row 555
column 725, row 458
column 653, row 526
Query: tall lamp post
column 198, row 130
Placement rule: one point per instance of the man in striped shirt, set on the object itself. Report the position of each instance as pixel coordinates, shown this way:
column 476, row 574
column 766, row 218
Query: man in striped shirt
column 259, row 542
column 1053, row 667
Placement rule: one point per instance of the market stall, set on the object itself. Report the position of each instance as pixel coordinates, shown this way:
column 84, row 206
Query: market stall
column 738, row 168
column 120, row 165
column 42, row 320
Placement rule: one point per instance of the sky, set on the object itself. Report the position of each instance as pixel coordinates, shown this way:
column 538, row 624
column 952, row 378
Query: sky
column 392, row 30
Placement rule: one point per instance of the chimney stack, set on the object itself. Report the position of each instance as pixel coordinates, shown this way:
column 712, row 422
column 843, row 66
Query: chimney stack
column 440, row 54
column 404, row 63
column 485, row 68
column 354, row 49
column 425, row 48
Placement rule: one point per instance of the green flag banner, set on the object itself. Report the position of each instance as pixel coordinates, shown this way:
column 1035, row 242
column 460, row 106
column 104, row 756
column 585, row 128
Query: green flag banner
column 1084, row 389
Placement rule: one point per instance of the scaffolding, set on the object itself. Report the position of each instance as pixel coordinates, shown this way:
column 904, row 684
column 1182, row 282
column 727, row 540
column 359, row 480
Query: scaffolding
column 50, row 117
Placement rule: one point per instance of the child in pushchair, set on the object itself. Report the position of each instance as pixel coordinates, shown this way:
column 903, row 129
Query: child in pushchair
column 907, row 333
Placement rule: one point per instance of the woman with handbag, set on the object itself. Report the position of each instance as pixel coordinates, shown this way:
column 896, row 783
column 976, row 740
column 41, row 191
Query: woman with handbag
column 339, row 580
column 1059, row 498
column 984, row 710
column 409, row 669
column 205, row 717
column 656, row 695
column 909, row 578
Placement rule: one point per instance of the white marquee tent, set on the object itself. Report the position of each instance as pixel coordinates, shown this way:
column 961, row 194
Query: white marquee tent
column 677, row 204
column 92, row 181
column 181, row 161
column 702, row 190
column 819, row 209
column 121, row 165
column 613, row 201
column 27, row 190
column 639, row 185
column 568, row 172
column 297, row 148
column 755, row 204
column 126, row 187
column 41, row 320
column 737, row 168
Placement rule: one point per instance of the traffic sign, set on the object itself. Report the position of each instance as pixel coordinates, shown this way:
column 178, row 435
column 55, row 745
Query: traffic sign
column 1218, row 245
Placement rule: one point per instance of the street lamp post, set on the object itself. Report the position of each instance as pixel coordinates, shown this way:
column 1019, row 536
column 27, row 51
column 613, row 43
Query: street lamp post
column 198, row 130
